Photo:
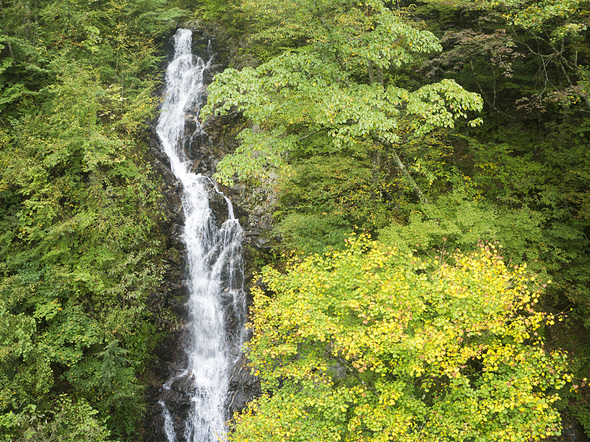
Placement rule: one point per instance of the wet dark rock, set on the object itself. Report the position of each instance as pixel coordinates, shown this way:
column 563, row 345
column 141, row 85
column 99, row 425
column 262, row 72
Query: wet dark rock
column 177, row 400
column 257, row 204
column 204, row 146
column 243, row 385
column 175, row 236
column 215, row 68
column 219, row 207
column 198, row 147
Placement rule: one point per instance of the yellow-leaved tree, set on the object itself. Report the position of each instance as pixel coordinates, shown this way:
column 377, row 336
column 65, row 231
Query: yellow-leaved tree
column 371, row 344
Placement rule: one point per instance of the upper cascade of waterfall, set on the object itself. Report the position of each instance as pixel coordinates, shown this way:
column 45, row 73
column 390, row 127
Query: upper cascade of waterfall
column 216, row 297
column 184, row 87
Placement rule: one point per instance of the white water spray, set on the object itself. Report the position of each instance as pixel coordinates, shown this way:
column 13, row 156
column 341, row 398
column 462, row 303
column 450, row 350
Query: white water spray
column 214, row 261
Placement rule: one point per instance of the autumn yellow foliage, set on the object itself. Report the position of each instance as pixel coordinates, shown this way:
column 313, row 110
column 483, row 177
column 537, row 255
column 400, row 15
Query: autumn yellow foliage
column 369, row 344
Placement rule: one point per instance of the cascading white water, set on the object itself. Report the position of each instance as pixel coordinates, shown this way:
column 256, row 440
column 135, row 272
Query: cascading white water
column 214, row 261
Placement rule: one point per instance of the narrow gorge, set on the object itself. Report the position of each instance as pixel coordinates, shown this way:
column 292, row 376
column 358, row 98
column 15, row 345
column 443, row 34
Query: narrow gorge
column 216, row 300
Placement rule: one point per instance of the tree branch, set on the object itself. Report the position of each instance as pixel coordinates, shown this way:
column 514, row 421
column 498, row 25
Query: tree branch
column 404, row 171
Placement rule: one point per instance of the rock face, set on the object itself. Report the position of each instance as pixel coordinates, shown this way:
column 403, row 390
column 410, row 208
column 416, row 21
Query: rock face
column 204, row 146
column 243, row 386
column 171, row 301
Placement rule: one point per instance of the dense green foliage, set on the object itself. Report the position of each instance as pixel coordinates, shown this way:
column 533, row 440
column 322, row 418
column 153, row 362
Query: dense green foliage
column 356, row 115
column 80, row 248
column 328, row 89
column 429, row 125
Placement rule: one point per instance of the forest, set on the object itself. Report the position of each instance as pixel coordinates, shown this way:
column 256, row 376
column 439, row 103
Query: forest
column 425, row 163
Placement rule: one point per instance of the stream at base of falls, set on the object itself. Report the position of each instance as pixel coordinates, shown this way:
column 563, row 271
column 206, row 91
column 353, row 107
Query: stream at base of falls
column 216, row 304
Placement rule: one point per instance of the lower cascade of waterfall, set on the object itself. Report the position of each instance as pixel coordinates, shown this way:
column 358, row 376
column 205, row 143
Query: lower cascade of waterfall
column 216, row 305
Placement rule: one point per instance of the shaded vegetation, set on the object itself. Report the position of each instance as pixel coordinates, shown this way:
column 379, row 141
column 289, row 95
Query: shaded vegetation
column 80, row 249
column 358, row 118
column 430, row 126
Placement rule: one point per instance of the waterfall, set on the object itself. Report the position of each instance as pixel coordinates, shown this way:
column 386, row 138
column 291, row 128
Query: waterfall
column 216, row 305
